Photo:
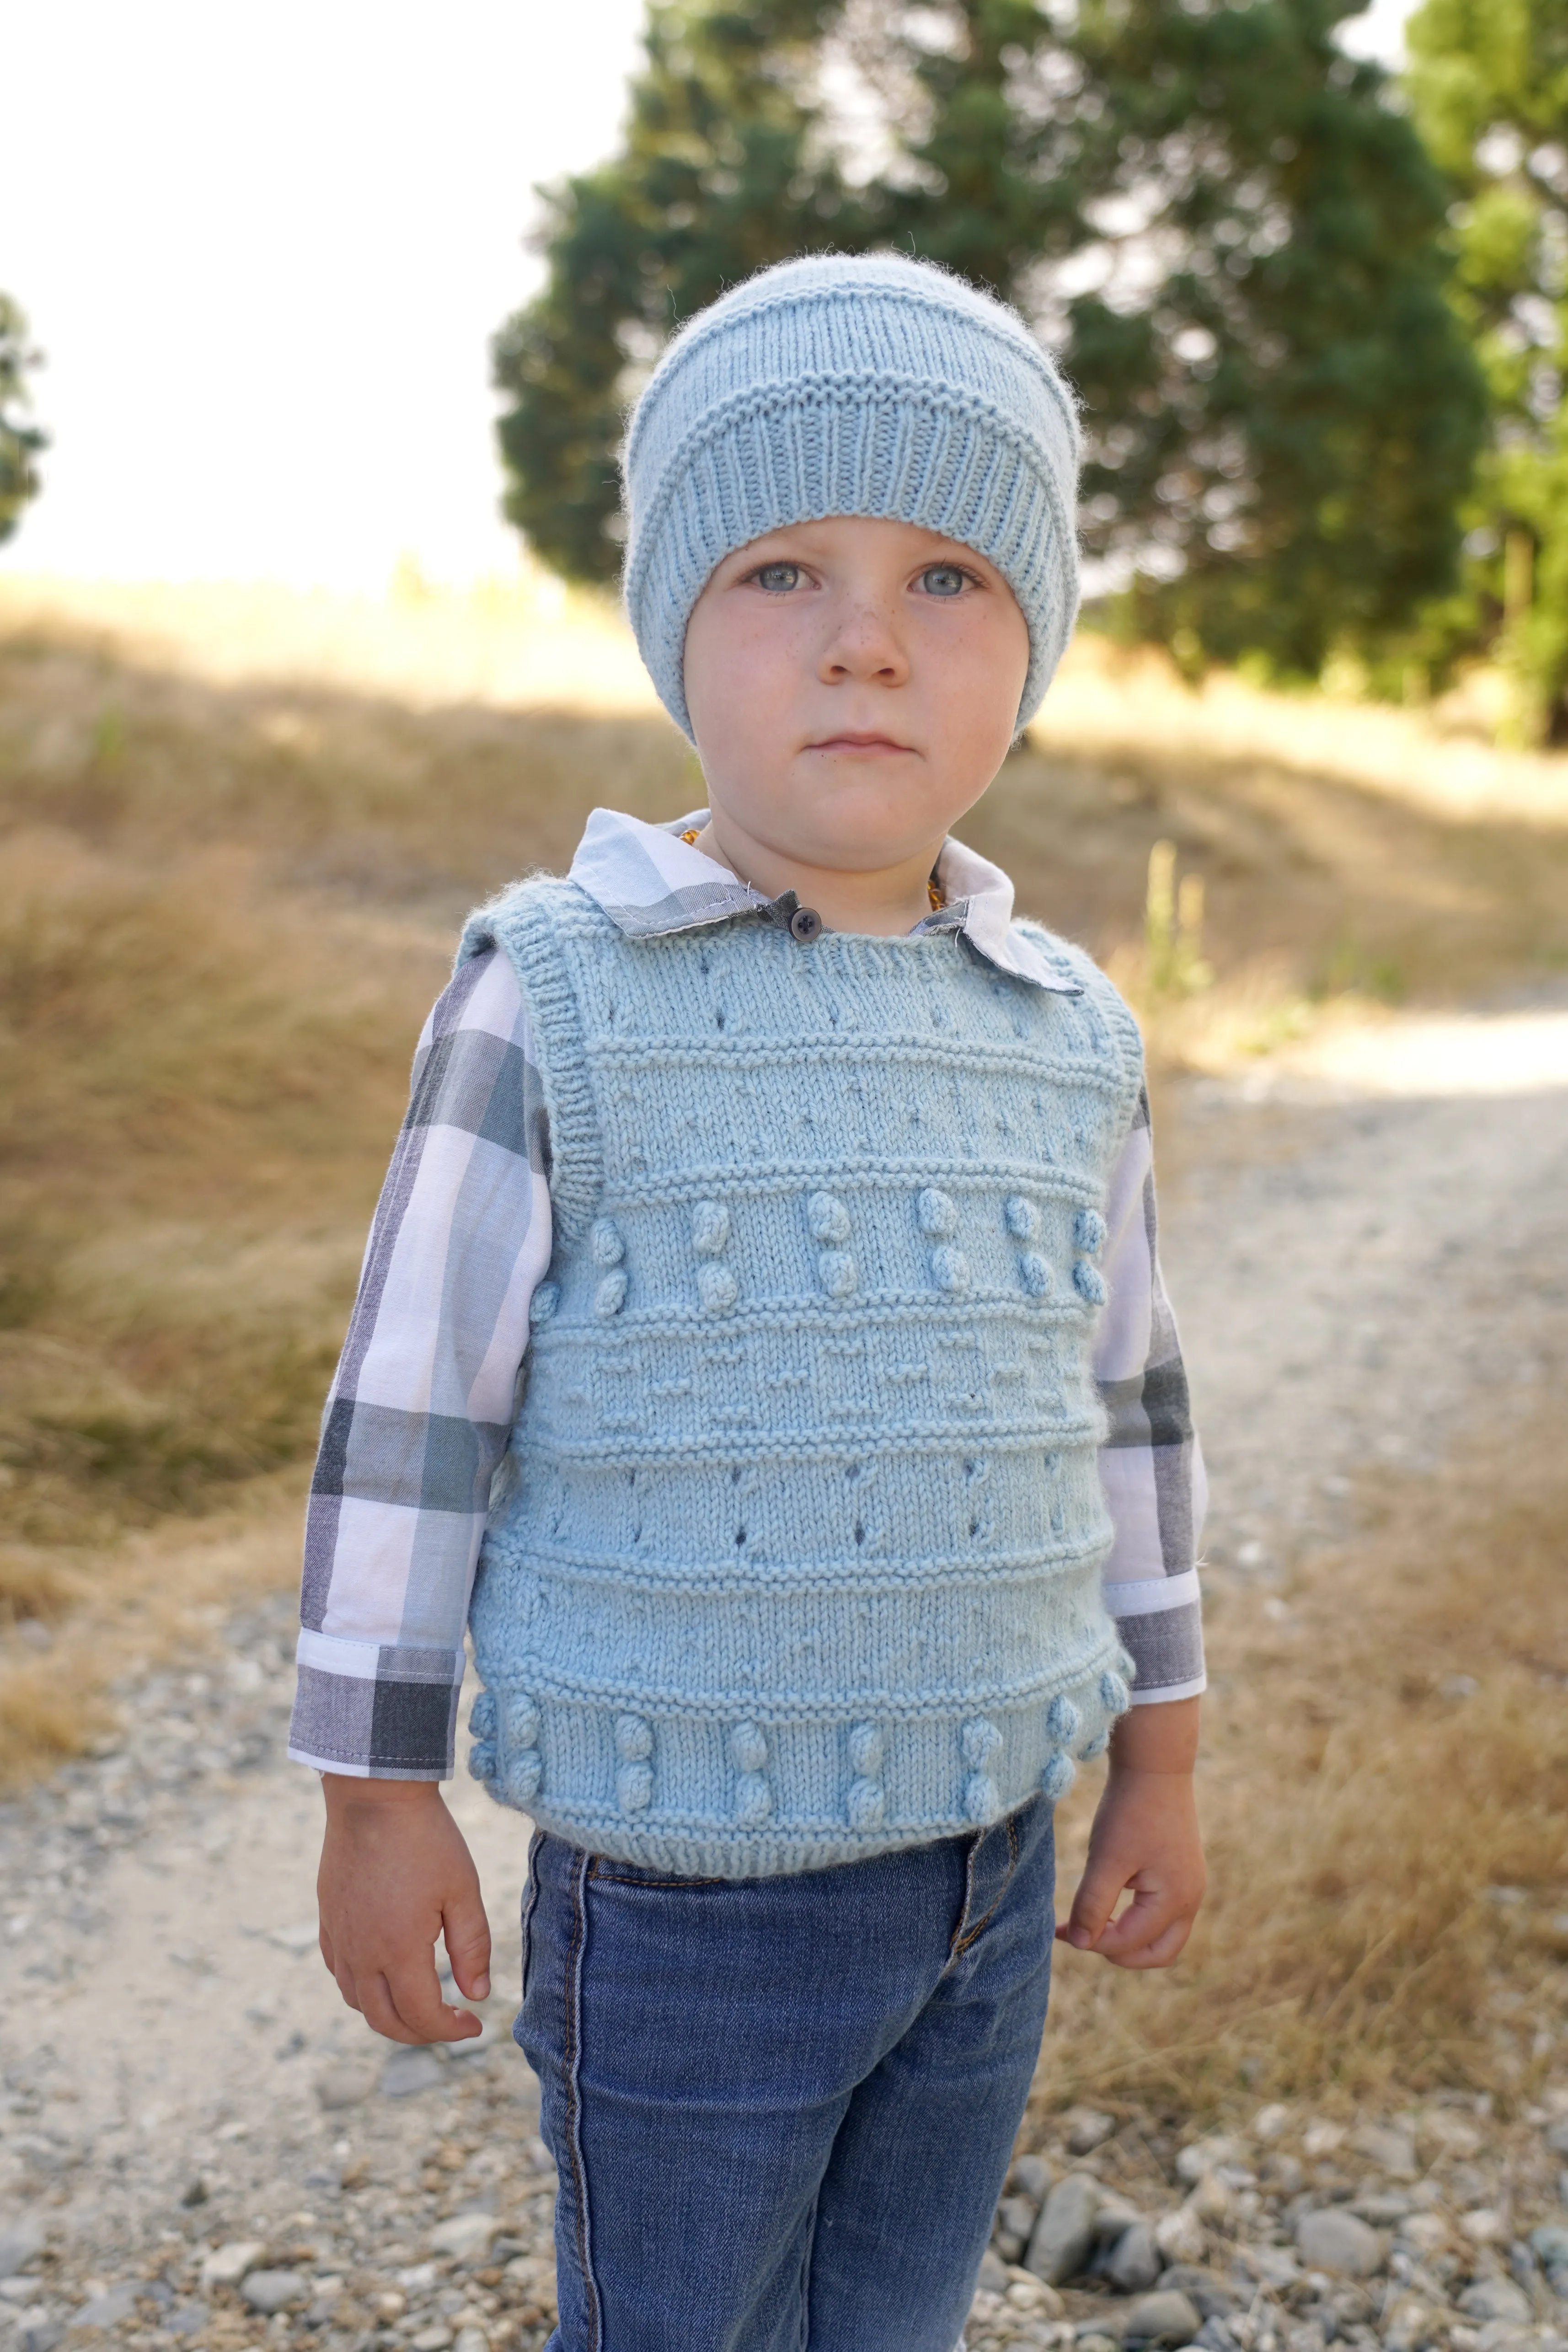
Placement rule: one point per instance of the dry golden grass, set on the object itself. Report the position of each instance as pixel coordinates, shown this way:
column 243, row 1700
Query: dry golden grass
column 1384, row 1755
column 236, row 832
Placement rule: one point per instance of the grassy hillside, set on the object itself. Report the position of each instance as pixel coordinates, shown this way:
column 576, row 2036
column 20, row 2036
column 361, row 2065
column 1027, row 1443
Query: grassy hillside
column 236, row 834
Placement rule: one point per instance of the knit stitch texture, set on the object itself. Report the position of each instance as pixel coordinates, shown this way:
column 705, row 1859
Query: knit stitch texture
column 837, row 386
column 795, row 1555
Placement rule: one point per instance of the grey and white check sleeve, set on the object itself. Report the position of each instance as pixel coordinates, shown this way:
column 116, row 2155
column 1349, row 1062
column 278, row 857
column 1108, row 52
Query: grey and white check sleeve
column 1151, row 1466
column 419, row 1411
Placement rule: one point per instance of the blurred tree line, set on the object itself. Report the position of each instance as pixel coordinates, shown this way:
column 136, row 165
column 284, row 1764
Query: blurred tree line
column 20, row 441
column 1315, row 317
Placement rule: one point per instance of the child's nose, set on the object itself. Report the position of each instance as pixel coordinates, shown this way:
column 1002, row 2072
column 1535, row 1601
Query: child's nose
column 865, row 645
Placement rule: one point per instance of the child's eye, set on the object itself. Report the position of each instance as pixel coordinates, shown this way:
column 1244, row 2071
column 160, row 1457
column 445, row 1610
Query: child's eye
column 944, row 580
column 777, row 578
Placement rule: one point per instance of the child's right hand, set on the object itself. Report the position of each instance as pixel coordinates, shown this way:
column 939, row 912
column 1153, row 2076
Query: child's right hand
column 396, row 1875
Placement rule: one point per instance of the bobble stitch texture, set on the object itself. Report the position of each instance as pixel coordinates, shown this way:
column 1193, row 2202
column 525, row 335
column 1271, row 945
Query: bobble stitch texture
column 608, row 1247
column 836, row 1268
column 949, row 1268
column 482, row 1715
column 634, row 1787
column 1089, row 1282
column 747, row 1747
column 868, row 1801
column 1114, row 1691
column 1062, row 1719
column 519, row 1720
column 634, row 1738
column 1095, row 1746
column 1034, row 1274
column 717, row 1288
column 982, row 1799
column 1058, row 1778
column 482, row 1760
column 523, row 1774
column 1022, row 1217
column 753, row 1797
column 979, row 1741
column 865, row 1749
column 543, row 1303
column 611, row 1296
column 938, row 1216
column 1089, row 1231
column 827, row 1219
column 710, row 1229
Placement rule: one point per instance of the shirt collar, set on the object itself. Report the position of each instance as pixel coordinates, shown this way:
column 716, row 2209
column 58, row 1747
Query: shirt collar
column 649, row 881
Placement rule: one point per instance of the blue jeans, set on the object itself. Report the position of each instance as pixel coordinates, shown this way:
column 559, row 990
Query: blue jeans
column 782, row 2109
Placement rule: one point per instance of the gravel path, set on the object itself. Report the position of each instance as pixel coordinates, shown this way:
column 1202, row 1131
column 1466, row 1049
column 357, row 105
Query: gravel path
column 200, row 2147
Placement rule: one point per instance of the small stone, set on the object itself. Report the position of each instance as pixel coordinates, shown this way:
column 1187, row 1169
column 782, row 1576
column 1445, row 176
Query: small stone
column 270, row 2291
column 1180, row 2236
column 1321, row 2140
column 467, row 2237
column 1392, row 2151
column 1202, row 2288
column 1557, row 2137
column 1550, row 2245
column 472, row 2339
column 1168, row 2317
column 1410, row 2324
column 1032, row 2176
column 993, row 2277
column 1040, row 2301
column 1383, row 2212
column 195, row 2192
column 227, row 2265
column 1484, row 2225
column 1207, row 2155
column 39, row 2335
column 344, row 2085
column 20, row 2244
column 1496, row 2298
column 409, row 2071
column 1135, row 2262
column 1088, row 2130
column 432, row 2339
column 108, row 2310
column 1336, row 2240
column 1271, row 2122
column 1064, row 2235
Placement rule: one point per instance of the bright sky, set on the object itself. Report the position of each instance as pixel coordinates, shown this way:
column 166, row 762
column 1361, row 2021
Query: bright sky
column 264, row 248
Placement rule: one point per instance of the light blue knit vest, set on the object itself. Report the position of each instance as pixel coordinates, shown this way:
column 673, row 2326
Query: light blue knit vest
column 796, row 1553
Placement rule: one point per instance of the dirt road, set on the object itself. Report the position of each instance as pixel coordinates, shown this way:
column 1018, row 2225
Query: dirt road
column 1360, row 1245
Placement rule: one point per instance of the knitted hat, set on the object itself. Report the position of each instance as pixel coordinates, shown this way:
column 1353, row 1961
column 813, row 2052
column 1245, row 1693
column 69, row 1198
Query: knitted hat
column 839, row 385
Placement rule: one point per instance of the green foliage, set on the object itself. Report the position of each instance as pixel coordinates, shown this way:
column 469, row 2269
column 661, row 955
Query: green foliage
column 1227, row 230
column 19, row 441
column 1489, row 83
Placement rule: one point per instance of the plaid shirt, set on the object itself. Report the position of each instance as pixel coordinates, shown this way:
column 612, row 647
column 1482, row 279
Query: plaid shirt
column 421, row 1406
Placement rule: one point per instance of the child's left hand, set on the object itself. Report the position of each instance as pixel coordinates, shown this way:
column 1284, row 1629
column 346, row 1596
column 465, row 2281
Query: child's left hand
column 1145, row 1839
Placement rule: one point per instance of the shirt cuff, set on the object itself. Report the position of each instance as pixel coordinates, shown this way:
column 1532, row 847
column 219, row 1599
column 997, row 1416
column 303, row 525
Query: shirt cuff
column 1160, row 1620
column 376, row 1711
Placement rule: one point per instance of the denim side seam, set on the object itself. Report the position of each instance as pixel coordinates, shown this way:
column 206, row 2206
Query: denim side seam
column 531, row 1898
column 572, row 2057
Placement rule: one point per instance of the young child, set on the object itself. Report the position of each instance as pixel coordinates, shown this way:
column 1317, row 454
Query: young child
column 765, row 1296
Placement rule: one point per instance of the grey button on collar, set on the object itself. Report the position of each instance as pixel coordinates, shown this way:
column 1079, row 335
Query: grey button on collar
column 805, row 925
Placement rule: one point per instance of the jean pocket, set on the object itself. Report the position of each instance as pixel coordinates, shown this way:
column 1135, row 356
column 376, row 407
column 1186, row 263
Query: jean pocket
column 606, row 1872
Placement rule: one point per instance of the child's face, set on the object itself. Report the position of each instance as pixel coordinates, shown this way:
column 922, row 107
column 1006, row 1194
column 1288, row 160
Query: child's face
column 853, row 688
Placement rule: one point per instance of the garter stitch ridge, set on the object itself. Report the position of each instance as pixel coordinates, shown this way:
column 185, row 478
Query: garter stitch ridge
column 796, row 1554
column 868, row 385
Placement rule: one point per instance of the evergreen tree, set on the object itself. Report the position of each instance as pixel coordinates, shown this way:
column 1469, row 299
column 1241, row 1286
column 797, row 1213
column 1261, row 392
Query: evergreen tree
column 1489, row 80
column 1225, row 227
column 19, row 441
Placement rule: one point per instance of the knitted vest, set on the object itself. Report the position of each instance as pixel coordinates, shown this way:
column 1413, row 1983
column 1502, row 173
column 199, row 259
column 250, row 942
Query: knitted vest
column 796, row 1553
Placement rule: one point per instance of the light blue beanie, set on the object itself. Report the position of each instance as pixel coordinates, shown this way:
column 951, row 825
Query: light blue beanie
column 851, row 385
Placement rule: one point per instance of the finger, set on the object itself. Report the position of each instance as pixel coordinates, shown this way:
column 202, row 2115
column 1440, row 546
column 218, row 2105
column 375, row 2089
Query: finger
column 1147, row 1917
column 415, row 1993
column 1165, row 1948
column 1092, row 1904
column 345, row 1984
column 381, row 2013
column 468, row 1933
column 324, row 1944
